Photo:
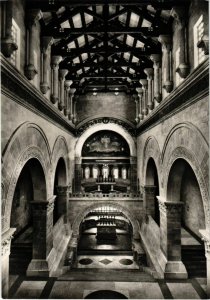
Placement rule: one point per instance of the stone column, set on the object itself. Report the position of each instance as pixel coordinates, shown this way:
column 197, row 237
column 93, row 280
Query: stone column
column 137, row 108
column 156, row 58
column 78, row 174
column 55, row 60
column 170, row 236
column 46, row 43
column 150, row 72
column 5, row 252
column 71, row 95
column 133, row 173
column 67, row 96
column 180, row 16
column 166, row 42
column 140, row 94
column 43, row 254
column 74, row 110
column 32, row 18
column 63, row 200
column 206, row 238
column 149, row 199
column 62, row 74
column 144, row 87
column 8, row 45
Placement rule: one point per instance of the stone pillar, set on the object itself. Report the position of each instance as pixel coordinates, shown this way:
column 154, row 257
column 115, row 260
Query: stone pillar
column 149, row 199
column 32, row 18
column 150, row 72
column 5, row 252
column 8, row 45
column 170, row 236
column 78, row 174
column 62, row 75
column 206, row 238
column 55, row 60
column 180, row 16
column 137, row 108
column 166, row 41
column 140, row 94
column 144, row 87
column 43, row 252
column 67, row 96
column 63, row 200
column 156, row 58
column 46, row 43
column 71, row 95
column 133, row 173
column 74, row 110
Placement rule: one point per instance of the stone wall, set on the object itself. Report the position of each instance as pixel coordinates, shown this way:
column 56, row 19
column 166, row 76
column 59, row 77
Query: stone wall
column 121, row 106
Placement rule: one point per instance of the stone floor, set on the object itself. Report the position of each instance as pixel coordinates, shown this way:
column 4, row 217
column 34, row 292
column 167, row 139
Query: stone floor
column 55, row 288
column 107, row 261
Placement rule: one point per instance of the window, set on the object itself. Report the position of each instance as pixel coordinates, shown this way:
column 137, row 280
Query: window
column 15, row 57
column 198, row 32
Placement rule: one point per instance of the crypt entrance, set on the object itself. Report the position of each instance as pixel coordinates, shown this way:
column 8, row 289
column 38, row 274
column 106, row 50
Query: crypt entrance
column 105, row 163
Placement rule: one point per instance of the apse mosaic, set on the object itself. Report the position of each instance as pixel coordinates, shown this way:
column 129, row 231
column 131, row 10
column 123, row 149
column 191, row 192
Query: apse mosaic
column 105, row 143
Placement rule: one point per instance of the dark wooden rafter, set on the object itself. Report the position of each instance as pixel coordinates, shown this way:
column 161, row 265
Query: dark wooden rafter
column 107, row 67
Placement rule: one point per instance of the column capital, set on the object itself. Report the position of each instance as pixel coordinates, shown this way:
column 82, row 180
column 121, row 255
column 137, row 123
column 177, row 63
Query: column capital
column 72, row 91
column 6, row 241
column 42, row 206
column 33, row 16
column 144, row 83
column 136, row 98
column 55, row 60
column 166, row 41
column 67, row 84
column 156, row 58
column 63, row 190
column 46, row 42
column 169, row 207
column 62, row 73
column 140, row 91
column 179, row 14
column 149, row 72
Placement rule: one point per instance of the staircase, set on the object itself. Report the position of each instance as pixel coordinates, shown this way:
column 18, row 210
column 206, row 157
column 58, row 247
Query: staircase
column 20, row 257
column 194, row 260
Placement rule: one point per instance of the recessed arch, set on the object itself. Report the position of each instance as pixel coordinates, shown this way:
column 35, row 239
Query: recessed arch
column 27, row 142
column 79, row 218
column 98, row 127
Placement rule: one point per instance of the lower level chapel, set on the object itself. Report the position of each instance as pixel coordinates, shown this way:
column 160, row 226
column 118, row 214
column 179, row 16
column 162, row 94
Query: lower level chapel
column 105, row 149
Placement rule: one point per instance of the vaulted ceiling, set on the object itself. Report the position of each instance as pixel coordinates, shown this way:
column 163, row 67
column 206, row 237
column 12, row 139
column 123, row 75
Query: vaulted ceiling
column 105, row 44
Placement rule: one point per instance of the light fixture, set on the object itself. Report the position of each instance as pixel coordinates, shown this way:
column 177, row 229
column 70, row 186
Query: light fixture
column 95, row 93
column 116, row 91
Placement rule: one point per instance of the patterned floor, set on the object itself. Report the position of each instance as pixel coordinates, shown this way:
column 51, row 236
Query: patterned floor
column 34, row 288
column 107, row 261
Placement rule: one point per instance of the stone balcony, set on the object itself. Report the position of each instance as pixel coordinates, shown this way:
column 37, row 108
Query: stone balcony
column 108, row 196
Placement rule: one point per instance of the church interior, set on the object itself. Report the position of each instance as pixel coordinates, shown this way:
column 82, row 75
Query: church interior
column 105, row 149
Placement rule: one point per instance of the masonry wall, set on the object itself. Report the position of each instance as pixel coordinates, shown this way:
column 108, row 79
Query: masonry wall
column 121, row 106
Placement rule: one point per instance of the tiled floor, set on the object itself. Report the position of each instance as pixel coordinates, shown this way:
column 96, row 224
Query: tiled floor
column 32, row 288
column 108, row 262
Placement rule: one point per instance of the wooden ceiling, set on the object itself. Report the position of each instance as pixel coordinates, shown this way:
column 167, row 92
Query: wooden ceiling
column 105, row 44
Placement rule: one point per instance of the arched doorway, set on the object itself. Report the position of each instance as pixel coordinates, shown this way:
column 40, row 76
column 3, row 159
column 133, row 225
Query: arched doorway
column 152, row 181
column 30, row 187
column 59, row 181
column 183, row 186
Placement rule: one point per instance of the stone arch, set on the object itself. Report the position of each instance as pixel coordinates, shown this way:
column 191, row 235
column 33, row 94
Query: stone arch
column 124, row 210
column 151, row 150
column 27, row 142
column 191, row 159
column 60, row 150
column 99, row 127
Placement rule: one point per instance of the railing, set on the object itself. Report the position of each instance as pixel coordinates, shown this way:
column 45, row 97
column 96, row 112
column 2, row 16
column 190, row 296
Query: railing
column 100, row 196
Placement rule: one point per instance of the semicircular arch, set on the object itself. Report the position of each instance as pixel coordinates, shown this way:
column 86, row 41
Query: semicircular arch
column 79, row 218
column 98, row 127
